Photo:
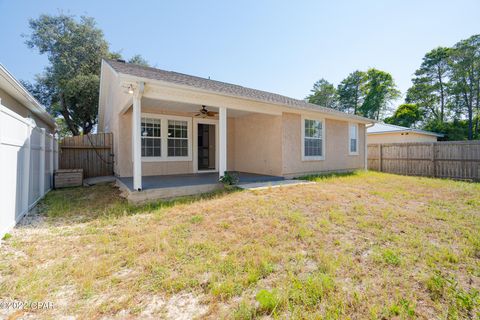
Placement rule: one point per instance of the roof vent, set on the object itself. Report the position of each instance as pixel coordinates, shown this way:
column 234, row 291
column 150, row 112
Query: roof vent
column 121, row 60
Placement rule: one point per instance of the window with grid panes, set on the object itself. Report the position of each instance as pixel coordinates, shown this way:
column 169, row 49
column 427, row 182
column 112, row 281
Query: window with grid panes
column 177, row 138
column 151, row 137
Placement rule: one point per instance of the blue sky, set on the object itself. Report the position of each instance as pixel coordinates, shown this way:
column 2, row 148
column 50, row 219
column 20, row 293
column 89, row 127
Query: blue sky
column 278, row 46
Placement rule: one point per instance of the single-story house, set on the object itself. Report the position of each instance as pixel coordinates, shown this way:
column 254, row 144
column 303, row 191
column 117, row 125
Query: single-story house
column 170, row 127
column 389, row 133
column 27, row 151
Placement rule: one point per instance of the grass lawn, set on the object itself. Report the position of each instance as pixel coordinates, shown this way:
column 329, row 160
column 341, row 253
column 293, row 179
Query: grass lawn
column 359, row 246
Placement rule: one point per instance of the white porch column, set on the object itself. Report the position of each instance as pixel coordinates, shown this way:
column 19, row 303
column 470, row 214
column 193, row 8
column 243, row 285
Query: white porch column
column 136, row 137
column 222, row 122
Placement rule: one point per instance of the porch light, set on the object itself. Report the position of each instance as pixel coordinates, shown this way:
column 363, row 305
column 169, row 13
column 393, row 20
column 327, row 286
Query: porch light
column 130, row 89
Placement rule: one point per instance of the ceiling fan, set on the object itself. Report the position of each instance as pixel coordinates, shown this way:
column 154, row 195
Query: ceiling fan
column 205, row 113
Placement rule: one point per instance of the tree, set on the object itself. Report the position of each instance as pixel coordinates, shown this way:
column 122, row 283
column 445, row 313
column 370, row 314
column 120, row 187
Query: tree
column 138, row 59
column 350, row 92
column 406, row 115
column 454, row 130
column 465, row 79
column 429, row 88
column 323, row 94
column 69, row 85
column 380, row 90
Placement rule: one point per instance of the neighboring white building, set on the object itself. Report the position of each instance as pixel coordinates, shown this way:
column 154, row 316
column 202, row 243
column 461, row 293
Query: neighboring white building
column 28, row 151
column 389, row 133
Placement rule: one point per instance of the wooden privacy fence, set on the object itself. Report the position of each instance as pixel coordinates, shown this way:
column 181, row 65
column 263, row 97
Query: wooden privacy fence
column 443, row 159
column 92, row 153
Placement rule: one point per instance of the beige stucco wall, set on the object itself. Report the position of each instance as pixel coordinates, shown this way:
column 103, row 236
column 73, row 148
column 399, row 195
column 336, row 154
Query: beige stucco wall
column 258, row 144
column 337, row 157
column 230, row 144
column 400, row 138
column 14, row 105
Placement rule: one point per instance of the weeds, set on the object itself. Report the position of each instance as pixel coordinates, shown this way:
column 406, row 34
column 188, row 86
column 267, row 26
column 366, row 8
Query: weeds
column 358, row 245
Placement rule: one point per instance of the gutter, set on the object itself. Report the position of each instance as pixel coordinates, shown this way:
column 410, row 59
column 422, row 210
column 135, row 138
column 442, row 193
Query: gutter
column 32, row 104
column 408, row 131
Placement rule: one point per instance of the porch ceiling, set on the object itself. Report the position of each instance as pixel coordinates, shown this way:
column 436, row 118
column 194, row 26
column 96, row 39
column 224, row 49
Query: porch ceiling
column 152, row 104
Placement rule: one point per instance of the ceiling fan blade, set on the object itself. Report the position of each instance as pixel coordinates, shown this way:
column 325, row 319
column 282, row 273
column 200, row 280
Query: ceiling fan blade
column 211, row 113
column 198, row 114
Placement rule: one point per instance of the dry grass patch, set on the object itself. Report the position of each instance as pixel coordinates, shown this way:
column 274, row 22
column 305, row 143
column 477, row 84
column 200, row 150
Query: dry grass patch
column 365, row 245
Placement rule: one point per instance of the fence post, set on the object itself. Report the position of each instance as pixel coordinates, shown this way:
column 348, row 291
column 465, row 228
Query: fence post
column 380, row 160
column 434, row 165
column 42, row 163
column 26, row 169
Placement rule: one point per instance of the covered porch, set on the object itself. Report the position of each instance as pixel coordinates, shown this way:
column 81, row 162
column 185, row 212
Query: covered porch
column 175, row 144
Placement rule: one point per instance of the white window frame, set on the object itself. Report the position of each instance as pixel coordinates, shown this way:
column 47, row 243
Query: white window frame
column 313, row 158
column 350, row 124
column 164, row 137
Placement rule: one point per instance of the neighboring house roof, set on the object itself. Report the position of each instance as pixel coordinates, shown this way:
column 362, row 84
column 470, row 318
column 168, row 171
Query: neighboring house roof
column 14, row 88
column 223, row 88
column 379, row 128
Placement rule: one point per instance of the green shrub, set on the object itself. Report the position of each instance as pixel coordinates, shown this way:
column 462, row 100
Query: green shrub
column 230, row 178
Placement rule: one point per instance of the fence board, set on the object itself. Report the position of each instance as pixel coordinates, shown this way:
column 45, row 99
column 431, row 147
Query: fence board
column 92, row 153
column 443, row 159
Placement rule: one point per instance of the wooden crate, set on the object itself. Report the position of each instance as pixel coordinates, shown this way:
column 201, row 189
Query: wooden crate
column 67, row 178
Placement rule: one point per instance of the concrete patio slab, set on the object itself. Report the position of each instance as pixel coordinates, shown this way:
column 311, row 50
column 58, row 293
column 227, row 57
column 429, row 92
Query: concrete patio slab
column 178, row 185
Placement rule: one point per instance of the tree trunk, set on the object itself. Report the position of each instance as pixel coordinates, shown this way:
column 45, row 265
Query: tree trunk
column 470, row 115
column 66, row 115
column 356, row 101
column 477, row 107
column 442, row 97
column 87, row 127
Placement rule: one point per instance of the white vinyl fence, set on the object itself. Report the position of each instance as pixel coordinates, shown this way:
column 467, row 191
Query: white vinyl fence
column 28, row 157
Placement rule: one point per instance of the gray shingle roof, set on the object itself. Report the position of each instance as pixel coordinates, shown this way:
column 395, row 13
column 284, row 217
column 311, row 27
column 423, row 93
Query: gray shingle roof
column 222, row 88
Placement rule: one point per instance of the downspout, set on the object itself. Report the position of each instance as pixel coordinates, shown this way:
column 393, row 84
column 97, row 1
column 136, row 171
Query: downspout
column 368, row 125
